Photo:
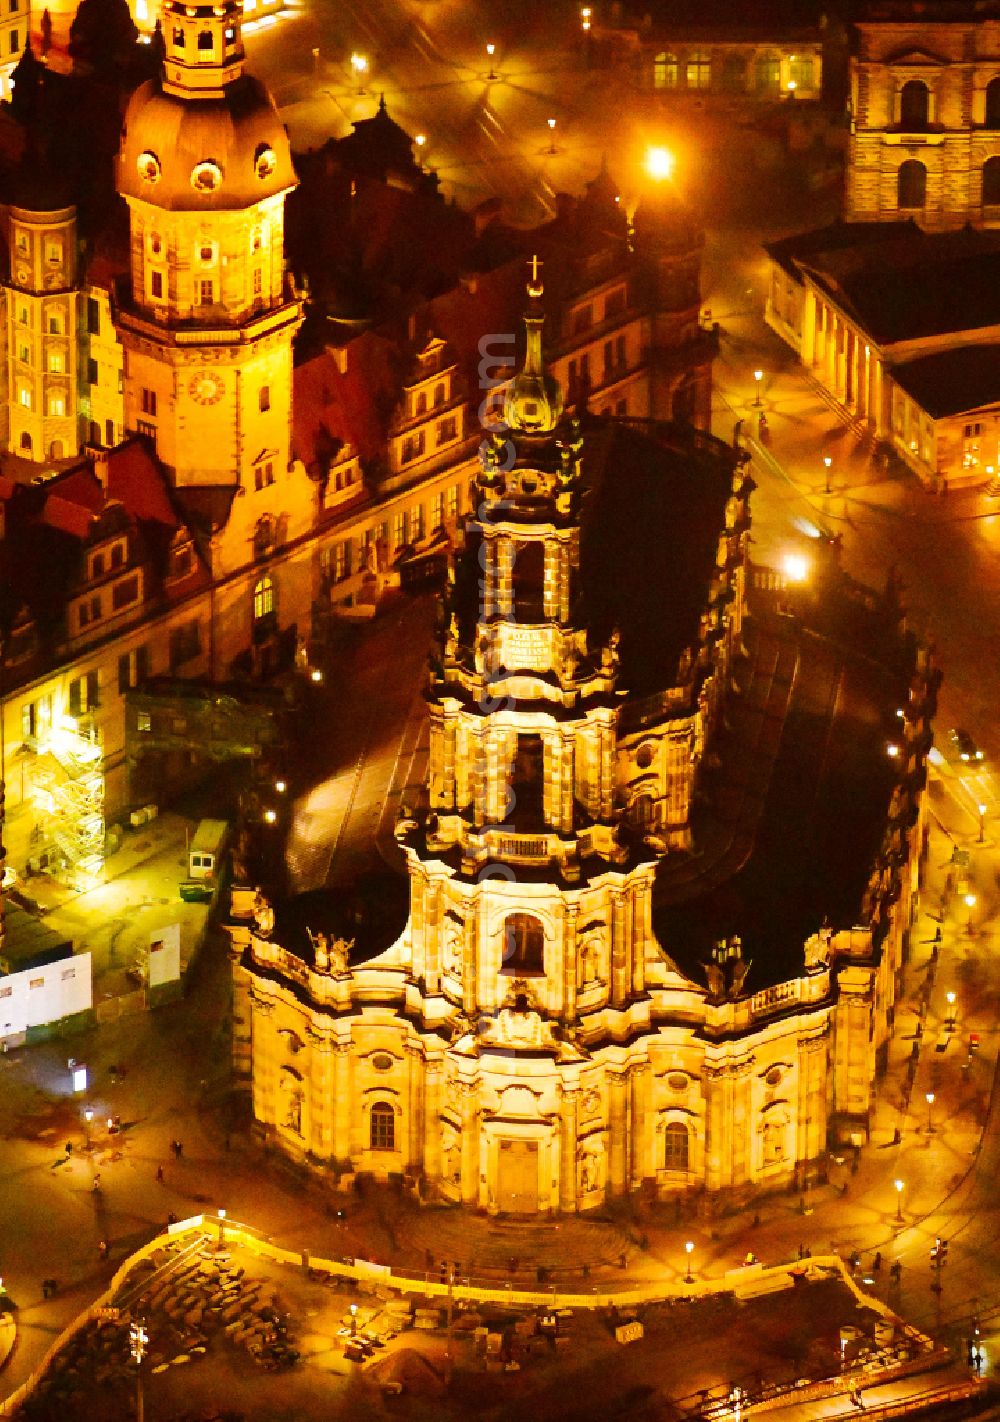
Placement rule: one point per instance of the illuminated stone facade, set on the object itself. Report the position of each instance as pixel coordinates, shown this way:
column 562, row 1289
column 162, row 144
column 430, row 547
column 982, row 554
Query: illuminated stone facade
column 925, row 116
column 529, row 1045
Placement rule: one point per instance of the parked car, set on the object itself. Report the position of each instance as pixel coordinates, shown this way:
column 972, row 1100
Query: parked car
column 965, row 745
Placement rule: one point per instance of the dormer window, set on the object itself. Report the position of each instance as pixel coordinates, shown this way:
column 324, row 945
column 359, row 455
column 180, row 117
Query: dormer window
column 179, row 40
column 117, row 555
column 97, row 566
column 420, row 404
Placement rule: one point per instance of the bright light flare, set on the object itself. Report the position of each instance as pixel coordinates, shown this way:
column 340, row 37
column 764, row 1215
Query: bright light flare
column 660, row 163
column 795, row 567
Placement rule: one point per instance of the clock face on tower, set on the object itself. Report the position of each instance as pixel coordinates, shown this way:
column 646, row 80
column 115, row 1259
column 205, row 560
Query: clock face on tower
column 206, row 387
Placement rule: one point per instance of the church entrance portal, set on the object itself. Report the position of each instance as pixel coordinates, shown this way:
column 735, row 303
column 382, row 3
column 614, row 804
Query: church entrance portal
column 517, row 1177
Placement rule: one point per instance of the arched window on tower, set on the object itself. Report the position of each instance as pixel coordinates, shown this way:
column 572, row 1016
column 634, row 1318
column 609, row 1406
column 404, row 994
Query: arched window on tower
column 382, row 1127
column 523, row 945
column 993, row 104
column 529, row 581
column 677, row 1143
column 914, row 106
column 527, row 783
column 206, row 42
column 991, row 182
column 911, row 185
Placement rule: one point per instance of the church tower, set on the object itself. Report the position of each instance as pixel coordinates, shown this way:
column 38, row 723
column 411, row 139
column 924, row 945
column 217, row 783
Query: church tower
column 208, row 321
column 530, row 912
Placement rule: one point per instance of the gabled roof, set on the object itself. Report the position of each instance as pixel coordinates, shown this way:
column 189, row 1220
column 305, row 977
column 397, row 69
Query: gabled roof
column 332, row 408
column 800, row 246
column 136, row 478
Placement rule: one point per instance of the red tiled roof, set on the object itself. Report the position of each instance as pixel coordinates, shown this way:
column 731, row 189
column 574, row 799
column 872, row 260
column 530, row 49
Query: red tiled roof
column 135, row 477
column 67, row 516
column 351, row 407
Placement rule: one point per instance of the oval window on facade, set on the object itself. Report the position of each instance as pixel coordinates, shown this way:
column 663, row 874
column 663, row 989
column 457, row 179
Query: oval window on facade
column 149, row 167
column 206, row 177
column 265, row 160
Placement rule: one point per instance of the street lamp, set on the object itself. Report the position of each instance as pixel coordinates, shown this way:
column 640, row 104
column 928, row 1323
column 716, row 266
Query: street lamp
column 281, row 786
column 137, row 1340
column 316, row 675
column 359, row 63
column 88, row 1117
column 354, row 1320
column 585, row 14
column 659, row 163
column 929, row 1098
column 736, row 1398
column 689, row 1250
column 899, row 1200
column 982, row 822
column 552, row 134
column 795, row 567
column 827, row 462
column 950, row 999
column 269, row 817
column 758, row 376
column 491, row 50
column 970, row 904
column 222, row 1228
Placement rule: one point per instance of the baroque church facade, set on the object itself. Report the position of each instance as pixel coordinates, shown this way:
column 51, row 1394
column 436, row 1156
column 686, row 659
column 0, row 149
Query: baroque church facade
column 531, row 1043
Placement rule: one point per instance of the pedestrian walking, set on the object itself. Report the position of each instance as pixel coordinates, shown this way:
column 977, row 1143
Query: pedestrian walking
column 856, row 1400
column 102, row 1249
column 877, row 1261
column 69, row 1147
column 96, row 1187
column 159, row 1175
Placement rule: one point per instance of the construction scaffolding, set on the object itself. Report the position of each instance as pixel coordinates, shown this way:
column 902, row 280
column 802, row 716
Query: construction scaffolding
column 68, row 794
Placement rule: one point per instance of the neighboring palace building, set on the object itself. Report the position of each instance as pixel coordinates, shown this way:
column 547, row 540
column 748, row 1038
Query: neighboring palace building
column 925, row 114
column 569, row 1014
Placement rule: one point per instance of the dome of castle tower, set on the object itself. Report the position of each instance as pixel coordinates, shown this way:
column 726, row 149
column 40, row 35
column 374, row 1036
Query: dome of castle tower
column 204, row 154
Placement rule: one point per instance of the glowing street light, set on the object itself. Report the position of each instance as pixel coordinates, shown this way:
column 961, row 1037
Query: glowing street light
column 419, row 140
column 585, row 14
column 929, row 1098
column 758, row 376
column 88, row 1117
column 950, row 999
column 689, row 1250
column 491, row 50
column 354, row 1320
column 899, row 1200
column 359, row 63
column 791, row 86
column 659, row 163
column 970, row 903
column 281, row 786
column 316, row 675
column 736, row 1398
column 270, row 816
column 552, row 134
column 795, row 567
column 827, row 462
column 982, row 822
column 222, row 1228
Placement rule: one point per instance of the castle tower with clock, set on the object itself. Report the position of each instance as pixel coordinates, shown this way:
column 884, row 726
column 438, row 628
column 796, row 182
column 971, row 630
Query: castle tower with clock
column 208, row 321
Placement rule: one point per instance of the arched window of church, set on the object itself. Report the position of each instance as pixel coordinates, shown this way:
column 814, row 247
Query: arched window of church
column 665, row 71
column 676, row 1143
column 642, row 812
column 991, row 182
column 911, row 185
column 529, row 581
column 993, row 104
column 263, row 599
column 26, row 442
column 523, row 945
column 56, row 449
column 382, row 1128
column 205, row 41
column 914, row 105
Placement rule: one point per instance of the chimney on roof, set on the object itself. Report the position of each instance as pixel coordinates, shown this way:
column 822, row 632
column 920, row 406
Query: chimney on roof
column 98, row 457
column 339, row 354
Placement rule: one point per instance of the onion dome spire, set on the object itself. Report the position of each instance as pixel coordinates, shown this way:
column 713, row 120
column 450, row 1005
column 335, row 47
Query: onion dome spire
column 534, row 401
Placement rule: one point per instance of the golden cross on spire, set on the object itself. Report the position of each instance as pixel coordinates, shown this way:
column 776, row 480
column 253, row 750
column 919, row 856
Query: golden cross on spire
column 535, row 283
